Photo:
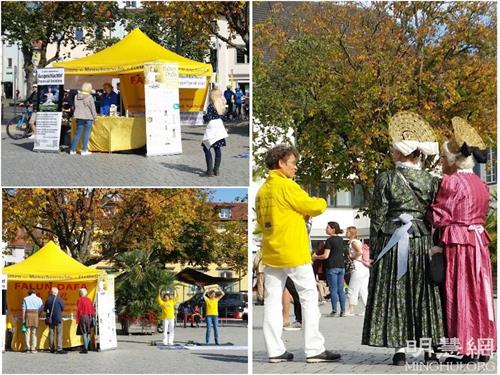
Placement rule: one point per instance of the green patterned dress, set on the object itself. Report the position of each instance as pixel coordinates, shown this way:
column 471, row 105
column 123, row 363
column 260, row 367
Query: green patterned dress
column 409, row 308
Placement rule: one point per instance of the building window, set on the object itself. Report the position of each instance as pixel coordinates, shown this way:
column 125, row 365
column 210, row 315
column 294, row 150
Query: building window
column 225, row 213
column 79, row 34
column 130, row 4
column 228, row 275
column 9, row 62
column 490, row 175
column 241, row 58
column 343, row 198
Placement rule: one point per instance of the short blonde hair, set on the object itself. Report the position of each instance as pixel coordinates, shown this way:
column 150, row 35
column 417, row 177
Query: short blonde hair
column 457, row 159
column 54, row 291
column 83, row 292
column 86, row 88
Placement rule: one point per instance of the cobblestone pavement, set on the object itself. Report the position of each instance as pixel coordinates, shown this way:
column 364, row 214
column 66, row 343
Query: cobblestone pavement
column 135, row 355
column 343, row 335
column 23, row 167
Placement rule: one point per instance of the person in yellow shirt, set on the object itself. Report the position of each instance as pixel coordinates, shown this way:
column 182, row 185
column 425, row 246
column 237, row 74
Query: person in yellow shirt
column 212, row 298
column 283, row 209
column 167, row 304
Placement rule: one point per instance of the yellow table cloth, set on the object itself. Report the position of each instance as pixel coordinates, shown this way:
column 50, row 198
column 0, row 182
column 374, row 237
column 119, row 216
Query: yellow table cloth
column 115, row 134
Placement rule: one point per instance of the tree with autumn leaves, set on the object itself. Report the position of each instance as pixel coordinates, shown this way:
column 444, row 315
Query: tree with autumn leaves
column 330, row 75
column 173, row 225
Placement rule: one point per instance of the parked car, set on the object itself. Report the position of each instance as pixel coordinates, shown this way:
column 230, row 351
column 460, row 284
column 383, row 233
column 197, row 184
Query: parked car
column 230, row 306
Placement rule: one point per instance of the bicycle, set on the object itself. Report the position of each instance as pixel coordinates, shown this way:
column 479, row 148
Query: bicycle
column 19, row 126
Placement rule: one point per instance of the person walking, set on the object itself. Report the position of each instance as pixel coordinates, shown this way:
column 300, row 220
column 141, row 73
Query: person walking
column 334, row 254
column 85, row 114
column 403, row 304
column 459, row 214
column 358, row 285
column 85, row 318
column 54, row 307
column 283, row 209
column 238, row 101
column 215, row 133
column 31, row 309
column 212, row 298
column 167, row 305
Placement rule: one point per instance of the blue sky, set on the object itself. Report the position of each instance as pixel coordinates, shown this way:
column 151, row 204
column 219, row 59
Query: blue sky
column 227, row 195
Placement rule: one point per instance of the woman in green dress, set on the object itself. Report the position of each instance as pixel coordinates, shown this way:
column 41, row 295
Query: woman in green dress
column 403, row 305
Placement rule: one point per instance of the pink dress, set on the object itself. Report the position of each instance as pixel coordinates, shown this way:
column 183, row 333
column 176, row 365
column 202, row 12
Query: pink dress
column 459, row 212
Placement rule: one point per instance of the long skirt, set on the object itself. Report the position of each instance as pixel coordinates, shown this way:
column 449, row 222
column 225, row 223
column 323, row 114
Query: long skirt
column 408, row 309
column 468, row 307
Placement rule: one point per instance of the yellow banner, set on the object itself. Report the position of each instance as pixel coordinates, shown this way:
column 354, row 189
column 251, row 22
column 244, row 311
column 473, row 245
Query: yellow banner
column 132, row 92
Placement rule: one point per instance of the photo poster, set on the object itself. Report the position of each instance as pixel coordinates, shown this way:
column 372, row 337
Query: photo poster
column 105, row 298
column 163, row 122
column 49, row 109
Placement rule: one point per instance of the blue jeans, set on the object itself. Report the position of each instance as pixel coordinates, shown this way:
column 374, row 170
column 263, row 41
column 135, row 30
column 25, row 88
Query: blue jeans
column 86, row 340
column 214, row 320
column 82, row 125
column 335, row 278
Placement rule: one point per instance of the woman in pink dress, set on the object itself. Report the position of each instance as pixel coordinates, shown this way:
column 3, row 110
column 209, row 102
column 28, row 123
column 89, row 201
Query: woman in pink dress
column 458, row 213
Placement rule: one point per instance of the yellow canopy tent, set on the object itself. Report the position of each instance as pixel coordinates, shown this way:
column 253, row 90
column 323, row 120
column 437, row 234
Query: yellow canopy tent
column 126, row 60
column 48, row 267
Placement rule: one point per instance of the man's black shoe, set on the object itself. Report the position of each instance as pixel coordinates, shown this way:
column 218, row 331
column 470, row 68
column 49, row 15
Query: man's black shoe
column 52, row 350
column 62, row 352
column 285, row 357
column 399, row 359
column 326, row 356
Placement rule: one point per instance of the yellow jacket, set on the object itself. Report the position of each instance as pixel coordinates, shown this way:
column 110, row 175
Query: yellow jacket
column 167, row 307
column 281, row 207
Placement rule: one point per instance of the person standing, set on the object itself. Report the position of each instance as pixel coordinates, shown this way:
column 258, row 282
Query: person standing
column 290, row 295
column 85, row 316
column 459, row 214
column 358, row 285
column 229, row 95
column 258, row 268
column 108, row 98
column 212, row 298
column 238, row 101
column 54, row 307
column 85, row 115
column 403, row 304
column 167, row 304
column 31, row 308
column 32, row 103
column 215, row 133
column 334, row 254
column 283, row 209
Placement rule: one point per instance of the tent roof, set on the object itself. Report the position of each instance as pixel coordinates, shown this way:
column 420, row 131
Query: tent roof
column 50, row 263
column 194, row 277
column 128, row 56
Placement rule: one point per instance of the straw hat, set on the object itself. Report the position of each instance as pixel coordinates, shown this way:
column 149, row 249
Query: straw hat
column 463, row 132
column 467, row 141
column 409, row 126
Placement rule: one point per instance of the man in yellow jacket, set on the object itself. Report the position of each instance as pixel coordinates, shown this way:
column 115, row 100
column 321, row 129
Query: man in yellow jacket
column 282, row 211
column 167, row 304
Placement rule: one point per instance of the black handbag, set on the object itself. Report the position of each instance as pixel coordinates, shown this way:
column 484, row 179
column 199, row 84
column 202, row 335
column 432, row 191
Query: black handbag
column 437, row 268
column 48, row 319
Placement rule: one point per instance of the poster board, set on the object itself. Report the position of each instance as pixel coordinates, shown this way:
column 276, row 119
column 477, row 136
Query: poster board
column 163, row 125
column 106, row 315
column 49, row 115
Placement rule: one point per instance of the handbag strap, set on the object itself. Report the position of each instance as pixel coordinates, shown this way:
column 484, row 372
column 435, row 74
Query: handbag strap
column 52, row 309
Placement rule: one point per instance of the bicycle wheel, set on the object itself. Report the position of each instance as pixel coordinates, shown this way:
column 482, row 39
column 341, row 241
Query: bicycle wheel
column 18, row 127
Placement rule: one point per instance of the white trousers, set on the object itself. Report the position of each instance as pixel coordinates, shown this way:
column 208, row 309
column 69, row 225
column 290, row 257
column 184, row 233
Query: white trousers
column 303, row 278
column 168, row 331
column 358, row 284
